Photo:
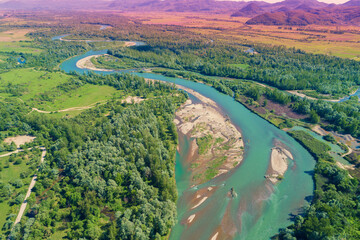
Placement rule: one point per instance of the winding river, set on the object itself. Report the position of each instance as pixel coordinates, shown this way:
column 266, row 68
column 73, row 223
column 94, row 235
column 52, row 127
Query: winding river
column 260, row 208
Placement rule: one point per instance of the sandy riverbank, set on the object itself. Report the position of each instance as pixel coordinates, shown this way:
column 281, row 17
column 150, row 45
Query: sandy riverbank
column 278, row 164
column 85, row 63
column 206, row 119
column 130, row 44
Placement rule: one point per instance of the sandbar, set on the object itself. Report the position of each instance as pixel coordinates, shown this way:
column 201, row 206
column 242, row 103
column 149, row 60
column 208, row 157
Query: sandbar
column 278, row 163
column 85, row 63
column 197, row 120
column 191, row 218
column 201, row 202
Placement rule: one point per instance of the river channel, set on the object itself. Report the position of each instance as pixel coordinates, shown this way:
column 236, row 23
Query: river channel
column 260, row 208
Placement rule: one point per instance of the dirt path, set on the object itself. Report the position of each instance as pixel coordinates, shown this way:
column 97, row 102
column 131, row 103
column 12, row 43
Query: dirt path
column 301, row 95
column 348, row 152
column 9, row 153
column 69, row 109
column 295, row 92
column 129, row 99
column 32, row 184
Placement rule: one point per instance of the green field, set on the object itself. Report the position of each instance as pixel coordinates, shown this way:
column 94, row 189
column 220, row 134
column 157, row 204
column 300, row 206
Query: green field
column 11, row 173
column 81, row 97
column 43, row 90
column 33, row 81
column 19, row 47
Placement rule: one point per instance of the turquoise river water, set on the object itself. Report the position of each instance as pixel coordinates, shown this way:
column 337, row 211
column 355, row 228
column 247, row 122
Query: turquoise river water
column 260, row 208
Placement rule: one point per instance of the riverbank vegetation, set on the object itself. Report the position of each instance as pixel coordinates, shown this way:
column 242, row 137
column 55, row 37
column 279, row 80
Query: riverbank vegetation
column 334, row 211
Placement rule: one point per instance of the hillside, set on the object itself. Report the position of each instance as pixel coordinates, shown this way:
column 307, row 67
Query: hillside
column 125, row 5
column 176, row 5
column 352, row 3
column 249, row 10
column 305, row 15
column 53, row 4
column 292, row 4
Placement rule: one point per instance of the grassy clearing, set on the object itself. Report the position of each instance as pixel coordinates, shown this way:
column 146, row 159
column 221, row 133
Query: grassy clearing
column 41, row 90
column 34, row 82
column 83, row 96
column 19, row 47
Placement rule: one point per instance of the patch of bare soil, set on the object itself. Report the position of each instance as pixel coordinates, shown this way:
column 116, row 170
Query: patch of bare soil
column 132, row 99
column 19, row 140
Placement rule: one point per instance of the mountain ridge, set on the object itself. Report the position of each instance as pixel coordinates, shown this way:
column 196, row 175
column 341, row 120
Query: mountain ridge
column 338, row 15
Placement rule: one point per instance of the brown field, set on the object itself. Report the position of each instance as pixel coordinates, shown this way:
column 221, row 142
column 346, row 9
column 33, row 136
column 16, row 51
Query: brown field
column 313, row 38
column 14, row 35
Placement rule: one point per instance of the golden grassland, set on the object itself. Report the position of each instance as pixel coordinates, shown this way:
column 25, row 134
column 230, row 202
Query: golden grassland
column 14, row 35
column 312, row 38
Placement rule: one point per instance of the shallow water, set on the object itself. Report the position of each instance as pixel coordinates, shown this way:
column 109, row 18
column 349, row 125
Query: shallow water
column 260, row 208
column 357, row 93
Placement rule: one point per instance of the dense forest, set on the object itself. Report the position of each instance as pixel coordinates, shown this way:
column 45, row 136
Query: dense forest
column 286, row 69
column 130, row 193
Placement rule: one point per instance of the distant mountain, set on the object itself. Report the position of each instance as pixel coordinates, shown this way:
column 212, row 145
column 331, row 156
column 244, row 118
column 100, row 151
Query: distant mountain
column 127, row 5
column 306, row 16
column 282, row 9
column 176, row 5
column 293, row 17
column 352, row 3
column 54, row 4
column 254, row 9
column 292, row 4
column 304, row 7
column 287, row 12
column 249, row 10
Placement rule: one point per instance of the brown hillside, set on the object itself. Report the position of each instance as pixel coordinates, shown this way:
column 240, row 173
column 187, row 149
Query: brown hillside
column 301, row 17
